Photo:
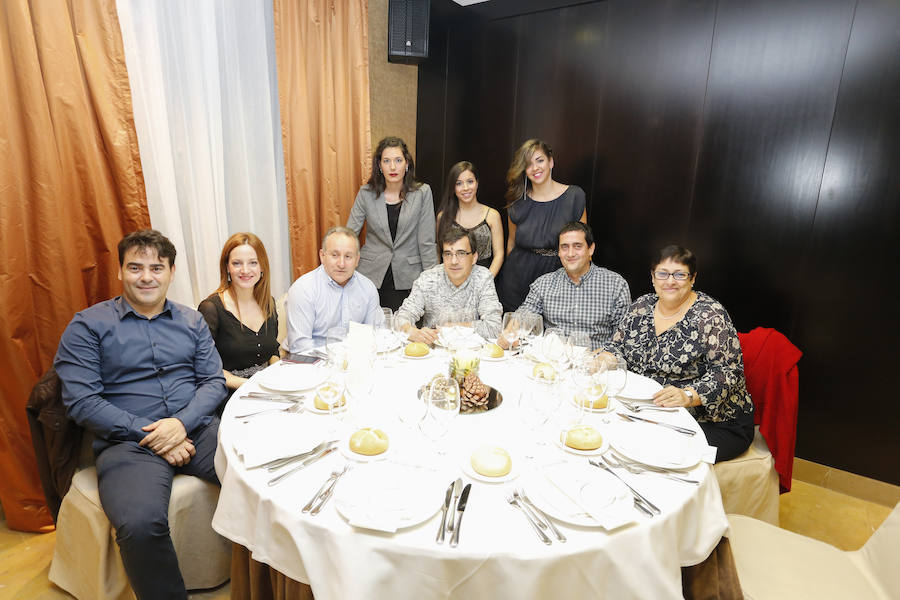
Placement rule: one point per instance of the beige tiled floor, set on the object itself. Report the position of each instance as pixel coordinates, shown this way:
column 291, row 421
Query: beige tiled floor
column 834, row 517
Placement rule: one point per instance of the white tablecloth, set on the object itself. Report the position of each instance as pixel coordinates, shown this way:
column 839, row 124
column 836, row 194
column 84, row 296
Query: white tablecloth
column 498, row 554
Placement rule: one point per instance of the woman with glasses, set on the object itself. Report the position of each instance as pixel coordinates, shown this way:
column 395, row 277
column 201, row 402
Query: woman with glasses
column 398, row 212
column 684, row 339
column 460, row 207
column 538, row 206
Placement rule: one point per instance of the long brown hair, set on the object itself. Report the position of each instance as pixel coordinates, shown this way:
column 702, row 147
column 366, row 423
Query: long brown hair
column 262, row 292
column 376, row 179
column 516, row 181
column 450, row 202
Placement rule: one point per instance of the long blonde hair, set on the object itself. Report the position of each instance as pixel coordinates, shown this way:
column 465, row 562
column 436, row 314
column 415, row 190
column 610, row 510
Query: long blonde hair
column 516, row 180
column 261, row 291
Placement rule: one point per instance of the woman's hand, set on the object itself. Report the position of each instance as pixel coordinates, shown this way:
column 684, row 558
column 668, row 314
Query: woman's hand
column 673, row 396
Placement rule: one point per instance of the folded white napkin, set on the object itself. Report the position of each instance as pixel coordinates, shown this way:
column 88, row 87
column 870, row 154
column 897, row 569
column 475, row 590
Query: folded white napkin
column 274, row 435
column 460, row 337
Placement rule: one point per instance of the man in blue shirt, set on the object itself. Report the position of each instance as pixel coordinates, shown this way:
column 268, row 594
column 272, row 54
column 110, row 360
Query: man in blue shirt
column 331, row 295
column 142, row 374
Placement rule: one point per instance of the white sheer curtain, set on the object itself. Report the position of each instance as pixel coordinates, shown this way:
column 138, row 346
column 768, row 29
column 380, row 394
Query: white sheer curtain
column 204, row 89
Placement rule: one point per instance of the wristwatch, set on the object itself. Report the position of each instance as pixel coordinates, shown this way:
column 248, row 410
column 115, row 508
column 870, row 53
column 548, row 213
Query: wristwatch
column 690, row 396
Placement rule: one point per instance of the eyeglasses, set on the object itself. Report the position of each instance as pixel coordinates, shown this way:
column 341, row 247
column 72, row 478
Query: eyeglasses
column 677, row 275
column 459, row 254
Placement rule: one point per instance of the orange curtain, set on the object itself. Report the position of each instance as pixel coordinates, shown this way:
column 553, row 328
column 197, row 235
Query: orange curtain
column 321, row 49
column 70, row 185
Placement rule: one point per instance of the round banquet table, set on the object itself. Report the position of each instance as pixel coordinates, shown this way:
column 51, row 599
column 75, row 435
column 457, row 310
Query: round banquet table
column 498, row 552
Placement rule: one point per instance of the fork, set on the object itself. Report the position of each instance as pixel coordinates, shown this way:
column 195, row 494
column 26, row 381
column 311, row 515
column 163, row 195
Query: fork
column 636, row 408
column 615, row 461
column 294, row 408
column 519, row 494
column 321, row 497
column 639, row 499
column 512, row 500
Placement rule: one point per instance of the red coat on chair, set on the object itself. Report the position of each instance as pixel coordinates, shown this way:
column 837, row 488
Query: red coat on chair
column 770, row 367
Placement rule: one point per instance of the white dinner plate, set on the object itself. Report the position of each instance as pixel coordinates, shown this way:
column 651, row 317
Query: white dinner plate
column 654, row 445
column 283, row 377
column 384, row 496
column 386, row 341
column 311, row 407
column 638, row 387
column 562, row 491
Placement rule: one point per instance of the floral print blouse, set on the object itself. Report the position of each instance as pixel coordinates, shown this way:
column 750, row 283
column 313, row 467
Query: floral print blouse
column 701, row 351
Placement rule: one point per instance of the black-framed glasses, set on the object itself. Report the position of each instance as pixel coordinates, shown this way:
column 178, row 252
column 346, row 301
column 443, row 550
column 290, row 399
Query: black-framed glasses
column 677, row 275
column 459, row 254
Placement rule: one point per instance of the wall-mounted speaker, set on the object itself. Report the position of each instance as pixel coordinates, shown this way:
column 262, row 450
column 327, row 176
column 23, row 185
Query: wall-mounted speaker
column 408, row 31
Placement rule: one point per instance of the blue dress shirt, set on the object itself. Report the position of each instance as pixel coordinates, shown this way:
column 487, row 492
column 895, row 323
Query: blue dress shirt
column 121, row 371
column 316, row 304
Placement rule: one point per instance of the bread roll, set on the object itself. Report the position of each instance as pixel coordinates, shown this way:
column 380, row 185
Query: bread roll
column 544, row 371
column 595, row 404
column 322, row 405
column 416, row 349
column 582, row 437
column 369, row 442
column 491, row 461
column 492, row 351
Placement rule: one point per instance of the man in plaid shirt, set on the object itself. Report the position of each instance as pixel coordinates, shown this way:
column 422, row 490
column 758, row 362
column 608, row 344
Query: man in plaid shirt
column 580, row 296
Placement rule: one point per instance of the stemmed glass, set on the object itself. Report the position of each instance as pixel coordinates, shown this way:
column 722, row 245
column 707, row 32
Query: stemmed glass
column 616, row 376
column 360, row 379
column 443, row 407
column 590, row 381
column 578, row 344
column 336, row 348
column 537, row 403
column 509, row 329
column 330, row 392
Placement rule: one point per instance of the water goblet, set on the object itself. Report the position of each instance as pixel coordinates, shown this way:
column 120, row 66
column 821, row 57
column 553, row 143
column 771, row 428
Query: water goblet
column 443, row 408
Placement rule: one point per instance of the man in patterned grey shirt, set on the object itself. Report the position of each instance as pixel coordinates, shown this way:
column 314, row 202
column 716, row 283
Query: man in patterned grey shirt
column 458, row 287
column 580, row 296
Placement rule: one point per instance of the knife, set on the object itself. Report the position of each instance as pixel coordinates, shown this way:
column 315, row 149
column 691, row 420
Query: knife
column 445, row 509
column 457, row 488
column 278, row 462
column 460, row 508
column 264, row 396
column 303, row 465
column 677, row 428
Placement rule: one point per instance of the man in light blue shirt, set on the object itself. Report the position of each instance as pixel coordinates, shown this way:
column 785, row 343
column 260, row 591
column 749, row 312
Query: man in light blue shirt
column 331, row 295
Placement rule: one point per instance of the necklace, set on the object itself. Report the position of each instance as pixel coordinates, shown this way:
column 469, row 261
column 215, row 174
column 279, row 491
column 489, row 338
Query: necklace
column 660, row 314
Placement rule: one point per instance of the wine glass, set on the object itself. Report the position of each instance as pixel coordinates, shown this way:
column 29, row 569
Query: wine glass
column 553, row 347
column 330, row 392
column 590, row 382
column 537, row 403
column 524, row 325
column 616, row 376
column 509, row 330
column 336, row 348
column 443, row 407
column 578, row 344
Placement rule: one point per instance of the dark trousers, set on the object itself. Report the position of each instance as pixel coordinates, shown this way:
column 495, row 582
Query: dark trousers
column 135, row 485
column 730, row 438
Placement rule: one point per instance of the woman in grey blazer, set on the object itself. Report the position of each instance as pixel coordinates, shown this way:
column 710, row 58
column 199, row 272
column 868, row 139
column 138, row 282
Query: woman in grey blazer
column 399, row 215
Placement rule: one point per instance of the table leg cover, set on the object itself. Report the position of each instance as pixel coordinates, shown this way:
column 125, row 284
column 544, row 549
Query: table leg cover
column 715, row 578
column 252, row 580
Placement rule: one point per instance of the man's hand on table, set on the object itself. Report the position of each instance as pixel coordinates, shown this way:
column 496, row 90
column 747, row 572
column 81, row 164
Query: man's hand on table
column 425, row 335
column 504, row 343
column 165, row 434
column 181, row 454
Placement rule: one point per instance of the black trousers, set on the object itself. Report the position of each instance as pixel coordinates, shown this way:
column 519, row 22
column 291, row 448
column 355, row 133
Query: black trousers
column 730, row 438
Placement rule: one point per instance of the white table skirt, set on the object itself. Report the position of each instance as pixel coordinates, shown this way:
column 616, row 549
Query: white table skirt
column 498, row 553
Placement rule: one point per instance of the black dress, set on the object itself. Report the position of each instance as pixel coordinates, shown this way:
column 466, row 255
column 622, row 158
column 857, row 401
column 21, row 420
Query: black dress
column 243, row 350
column 537, row 228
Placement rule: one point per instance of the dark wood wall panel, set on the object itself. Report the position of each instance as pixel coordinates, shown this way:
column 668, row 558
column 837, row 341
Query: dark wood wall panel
column 847, row 294
column 654, row 64
column 764, row 135
column 773, row 83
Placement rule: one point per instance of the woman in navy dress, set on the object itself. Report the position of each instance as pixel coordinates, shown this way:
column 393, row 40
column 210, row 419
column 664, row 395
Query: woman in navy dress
column 538, row 209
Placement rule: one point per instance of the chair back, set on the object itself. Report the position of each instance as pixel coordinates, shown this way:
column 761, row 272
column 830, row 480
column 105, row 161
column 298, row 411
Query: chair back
column 881, row 551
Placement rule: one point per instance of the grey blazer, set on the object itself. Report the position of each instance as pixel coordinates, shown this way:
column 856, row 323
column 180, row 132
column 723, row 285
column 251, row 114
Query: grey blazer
column 411, row 252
